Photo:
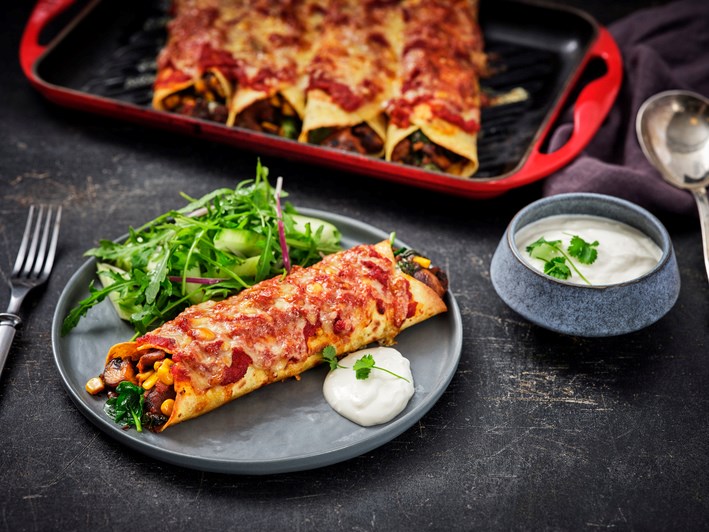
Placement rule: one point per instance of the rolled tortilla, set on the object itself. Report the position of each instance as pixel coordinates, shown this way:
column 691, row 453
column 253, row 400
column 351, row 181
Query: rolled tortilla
column 351, row 75
column 206, row 96
column 322, row 111
column 441, row 133
column 196, row 76
column 439, row 93
column 271, row 47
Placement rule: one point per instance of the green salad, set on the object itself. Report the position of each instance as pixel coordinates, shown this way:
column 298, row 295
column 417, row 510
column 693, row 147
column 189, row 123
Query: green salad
column 211, row 248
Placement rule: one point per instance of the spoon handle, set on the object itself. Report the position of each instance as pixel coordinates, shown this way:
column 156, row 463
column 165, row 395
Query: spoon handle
column 700, row 195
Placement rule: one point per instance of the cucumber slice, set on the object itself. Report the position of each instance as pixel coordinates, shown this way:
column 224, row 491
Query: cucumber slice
column 193, row 289
column 330, row 234
column 247, row 268
column 106, row 281
column 240, row 242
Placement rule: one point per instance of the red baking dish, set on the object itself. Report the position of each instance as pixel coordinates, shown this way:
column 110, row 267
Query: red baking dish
column 103, row 61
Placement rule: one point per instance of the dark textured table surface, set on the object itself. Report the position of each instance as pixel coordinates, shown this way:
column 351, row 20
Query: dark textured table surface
column 536, row 430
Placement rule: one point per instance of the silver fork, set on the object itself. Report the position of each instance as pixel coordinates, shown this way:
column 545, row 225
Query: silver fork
column 32, row 268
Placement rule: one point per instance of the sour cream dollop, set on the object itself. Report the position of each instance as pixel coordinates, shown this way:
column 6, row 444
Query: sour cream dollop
column 376, row 399
column 624, row 253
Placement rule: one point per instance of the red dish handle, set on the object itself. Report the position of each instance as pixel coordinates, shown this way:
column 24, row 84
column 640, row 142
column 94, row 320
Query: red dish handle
column 30, row 47
column 593, row 104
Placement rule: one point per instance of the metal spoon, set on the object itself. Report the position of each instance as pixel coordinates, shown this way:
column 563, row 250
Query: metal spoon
column 673, row 130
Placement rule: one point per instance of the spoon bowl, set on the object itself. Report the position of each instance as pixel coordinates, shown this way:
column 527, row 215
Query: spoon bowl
column 673, row 131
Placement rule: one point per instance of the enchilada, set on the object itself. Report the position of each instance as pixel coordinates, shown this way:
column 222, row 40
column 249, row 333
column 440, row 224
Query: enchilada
column 215, row 352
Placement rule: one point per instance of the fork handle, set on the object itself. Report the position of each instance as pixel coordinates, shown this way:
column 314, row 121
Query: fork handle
column 8, row 325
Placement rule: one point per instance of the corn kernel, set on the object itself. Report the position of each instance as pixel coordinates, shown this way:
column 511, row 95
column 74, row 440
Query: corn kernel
column 167, row 406
column 94, row 385
column 142, row 377
column 150, row 381
column 165, row 375
column 422, row 261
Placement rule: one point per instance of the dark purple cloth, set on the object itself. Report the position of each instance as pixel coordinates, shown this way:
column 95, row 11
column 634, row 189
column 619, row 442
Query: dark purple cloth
column 663, row 48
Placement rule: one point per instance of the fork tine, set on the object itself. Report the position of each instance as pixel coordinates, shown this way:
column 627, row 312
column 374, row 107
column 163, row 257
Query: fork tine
column 32, row 253
column 42, row 250
column 52, row 245
column 21, row 254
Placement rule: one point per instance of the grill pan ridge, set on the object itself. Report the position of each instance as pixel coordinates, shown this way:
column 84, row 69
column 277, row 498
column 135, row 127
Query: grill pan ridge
column 111, row 72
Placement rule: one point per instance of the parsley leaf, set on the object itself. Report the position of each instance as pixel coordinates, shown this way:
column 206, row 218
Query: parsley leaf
column 585, row 252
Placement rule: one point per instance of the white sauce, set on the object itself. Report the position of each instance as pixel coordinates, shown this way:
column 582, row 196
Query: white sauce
column 624, row 253
column 377, row 399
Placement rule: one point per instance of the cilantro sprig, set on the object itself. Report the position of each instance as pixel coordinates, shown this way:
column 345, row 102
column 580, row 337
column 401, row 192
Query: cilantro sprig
column 211, row 248
column 330, row 356
column 366, row 364
column 558, row 262
column 585, row 252
column 362, row 367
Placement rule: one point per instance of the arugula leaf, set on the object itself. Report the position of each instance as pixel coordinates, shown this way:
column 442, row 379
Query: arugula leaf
column 585, row 252
column 95, row 297
column 127, row 407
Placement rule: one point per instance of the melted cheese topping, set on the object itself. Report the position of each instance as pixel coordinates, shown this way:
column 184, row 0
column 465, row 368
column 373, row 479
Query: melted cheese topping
column 355, row 59
column 255, row 43
column 400, row 54
column 441, row 58
column 195, row 35
column 347, row 300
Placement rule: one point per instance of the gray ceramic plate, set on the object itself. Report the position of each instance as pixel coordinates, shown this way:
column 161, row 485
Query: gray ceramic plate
column 283, row 427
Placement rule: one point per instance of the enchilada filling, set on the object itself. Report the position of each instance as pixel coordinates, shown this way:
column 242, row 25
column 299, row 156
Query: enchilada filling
column 418, row 150
column 273, row 115
column 206, row 99
column 359, row 139
column 140, row 393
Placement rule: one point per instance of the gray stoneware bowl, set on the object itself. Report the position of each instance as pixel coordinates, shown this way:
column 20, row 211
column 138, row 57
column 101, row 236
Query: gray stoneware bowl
column 581, row 310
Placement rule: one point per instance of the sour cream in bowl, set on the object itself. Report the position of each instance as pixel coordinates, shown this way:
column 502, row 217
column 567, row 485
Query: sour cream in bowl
column 633, row 281
column 620, row 252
